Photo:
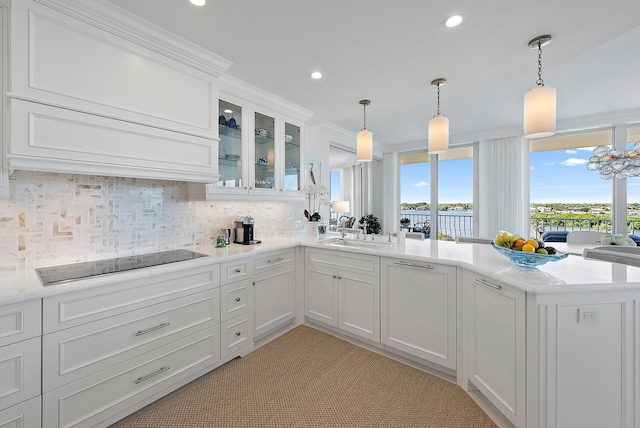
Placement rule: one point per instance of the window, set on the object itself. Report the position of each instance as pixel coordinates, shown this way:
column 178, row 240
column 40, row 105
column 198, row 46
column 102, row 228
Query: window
column 455, row 193
column 564, row 195
column 415, row 192
column 633, row 188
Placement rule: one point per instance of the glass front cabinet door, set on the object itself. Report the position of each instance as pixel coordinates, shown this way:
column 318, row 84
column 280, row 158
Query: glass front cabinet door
column 259, row 153
column 231, row 148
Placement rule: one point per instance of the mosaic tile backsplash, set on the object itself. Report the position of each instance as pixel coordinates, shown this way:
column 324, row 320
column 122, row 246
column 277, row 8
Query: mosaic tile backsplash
column 51, row 217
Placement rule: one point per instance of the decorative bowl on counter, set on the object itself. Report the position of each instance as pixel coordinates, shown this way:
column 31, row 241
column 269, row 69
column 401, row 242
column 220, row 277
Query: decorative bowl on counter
column 523, row 259
column 288, row 138
column 262, row 132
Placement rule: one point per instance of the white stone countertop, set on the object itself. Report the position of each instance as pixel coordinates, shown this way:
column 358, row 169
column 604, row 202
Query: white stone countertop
column 570, row 275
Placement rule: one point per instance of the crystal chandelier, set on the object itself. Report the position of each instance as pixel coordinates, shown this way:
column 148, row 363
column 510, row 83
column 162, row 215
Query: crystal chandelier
column 618, row 163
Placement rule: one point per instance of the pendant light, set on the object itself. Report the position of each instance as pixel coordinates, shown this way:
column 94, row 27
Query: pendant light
column 540, row 102
column 438, row 126
column 364, row 140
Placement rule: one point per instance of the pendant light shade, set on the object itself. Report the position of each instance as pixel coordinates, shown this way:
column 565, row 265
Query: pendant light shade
column 364, row 139
column 438, row 127
column 438, row 135
column 539, row 114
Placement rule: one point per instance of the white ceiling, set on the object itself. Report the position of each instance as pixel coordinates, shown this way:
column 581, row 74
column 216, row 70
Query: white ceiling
column 390, row 51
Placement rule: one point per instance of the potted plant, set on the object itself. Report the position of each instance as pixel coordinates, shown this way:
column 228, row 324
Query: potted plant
column 372, row 223
column 316, row 196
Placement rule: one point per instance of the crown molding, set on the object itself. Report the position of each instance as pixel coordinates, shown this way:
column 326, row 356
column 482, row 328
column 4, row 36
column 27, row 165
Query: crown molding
column 117, row 21
column 259, row 96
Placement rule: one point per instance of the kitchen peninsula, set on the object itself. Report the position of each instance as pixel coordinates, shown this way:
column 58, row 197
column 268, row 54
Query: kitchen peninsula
column 547, row 347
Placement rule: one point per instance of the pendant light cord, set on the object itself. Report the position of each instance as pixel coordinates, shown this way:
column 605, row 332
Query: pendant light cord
column 438, row 111
column 364, row 116
column 540, row 82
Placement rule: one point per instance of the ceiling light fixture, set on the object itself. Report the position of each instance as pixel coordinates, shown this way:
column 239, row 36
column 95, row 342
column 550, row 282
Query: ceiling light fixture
column 453, row 21
column 618, row 163
column 316, row 75
column 198, row 2
column 364, row 140
column 540, row 102
column 438, row 126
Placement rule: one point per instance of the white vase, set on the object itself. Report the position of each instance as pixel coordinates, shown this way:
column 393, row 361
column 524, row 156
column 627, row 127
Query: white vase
column 312, row 227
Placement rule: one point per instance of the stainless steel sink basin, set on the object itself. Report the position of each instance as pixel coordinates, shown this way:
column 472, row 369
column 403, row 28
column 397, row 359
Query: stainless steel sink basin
column 614, row 253
column 355, row 243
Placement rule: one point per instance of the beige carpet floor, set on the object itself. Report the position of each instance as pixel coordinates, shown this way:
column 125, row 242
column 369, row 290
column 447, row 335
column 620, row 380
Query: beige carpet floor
column 307, row 378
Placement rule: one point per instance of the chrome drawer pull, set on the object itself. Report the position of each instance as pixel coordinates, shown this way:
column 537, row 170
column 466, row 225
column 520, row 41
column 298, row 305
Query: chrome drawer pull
column 143, row 378
column 237, row 299
column 149, row 330
column 237, row 270
column 238, row 333
column 400, row 262
column 488, row 284
column 275, row 260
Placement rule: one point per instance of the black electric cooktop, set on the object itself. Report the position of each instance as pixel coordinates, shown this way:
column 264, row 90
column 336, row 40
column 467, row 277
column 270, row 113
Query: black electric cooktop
column 64, row 273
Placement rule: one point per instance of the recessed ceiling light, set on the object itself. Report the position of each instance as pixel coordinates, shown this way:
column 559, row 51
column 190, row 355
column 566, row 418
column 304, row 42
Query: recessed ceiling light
column 453, row 21
column 316, row 75
column 198, row 2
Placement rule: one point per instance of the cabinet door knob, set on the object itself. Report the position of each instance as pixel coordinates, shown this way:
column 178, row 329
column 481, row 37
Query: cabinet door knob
column 339, row 277
column 335, row 276
column 238, row 333
column 253, row 283
column 237, row 299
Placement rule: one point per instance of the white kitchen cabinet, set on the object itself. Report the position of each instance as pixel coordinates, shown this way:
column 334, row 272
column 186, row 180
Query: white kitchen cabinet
column 418, row 309
column 113, row 349
column 90, row 96
column 343, row 291
column 274, row 288
column 582, row 353
column 495, row 314
column 24, row 415
column 103, row 397
column 20, row 357
column 261, row 147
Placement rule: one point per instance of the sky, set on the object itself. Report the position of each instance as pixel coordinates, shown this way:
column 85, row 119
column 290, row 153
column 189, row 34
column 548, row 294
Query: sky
column 554, row 176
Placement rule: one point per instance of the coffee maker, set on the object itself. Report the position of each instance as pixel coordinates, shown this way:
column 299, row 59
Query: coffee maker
column 243, row 231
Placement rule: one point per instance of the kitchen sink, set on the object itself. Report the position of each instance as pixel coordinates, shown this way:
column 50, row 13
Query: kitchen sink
column 613, row 253
column 355, row 243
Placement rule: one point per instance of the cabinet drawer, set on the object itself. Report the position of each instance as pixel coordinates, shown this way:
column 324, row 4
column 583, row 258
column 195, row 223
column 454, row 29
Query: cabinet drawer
column 23, row 415
column 19, row 372
column 68, row 310
column 236, row 270
column 236, row 299
column 344, row 260
column 19, row 321
column 82, row 350
column 274, row 259
column 236, row 334
column 93, row 399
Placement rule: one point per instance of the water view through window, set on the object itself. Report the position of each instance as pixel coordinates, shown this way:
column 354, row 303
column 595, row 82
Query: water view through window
column 455, row 193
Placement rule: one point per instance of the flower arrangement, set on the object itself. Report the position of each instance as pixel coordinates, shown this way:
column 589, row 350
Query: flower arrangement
column 316, row 196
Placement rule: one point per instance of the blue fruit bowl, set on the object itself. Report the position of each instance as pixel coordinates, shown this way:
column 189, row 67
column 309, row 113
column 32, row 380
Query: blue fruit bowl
column 528, row 259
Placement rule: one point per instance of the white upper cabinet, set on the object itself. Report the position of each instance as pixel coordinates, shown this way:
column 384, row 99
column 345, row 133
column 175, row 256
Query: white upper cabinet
column 261, row 146
column 96, row 90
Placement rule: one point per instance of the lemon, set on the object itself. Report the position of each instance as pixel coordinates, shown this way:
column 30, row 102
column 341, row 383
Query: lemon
column 528, row 248
column 541, row 251
column 533, row 243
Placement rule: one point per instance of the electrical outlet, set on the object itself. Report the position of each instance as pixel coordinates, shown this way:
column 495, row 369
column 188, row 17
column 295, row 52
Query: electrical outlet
column 586, row 315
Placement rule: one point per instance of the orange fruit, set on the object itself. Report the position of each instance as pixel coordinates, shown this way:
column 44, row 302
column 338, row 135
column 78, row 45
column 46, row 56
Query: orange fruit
column 528, row 248
column 518, row 243
column 533, row 243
